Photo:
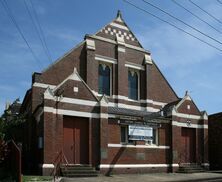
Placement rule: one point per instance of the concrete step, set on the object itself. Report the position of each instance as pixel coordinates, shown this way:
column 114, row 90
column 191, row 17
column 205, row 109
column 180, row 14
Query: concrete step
column 190, row 168
column 78, row 171
column 76, row 168
column 81, row 175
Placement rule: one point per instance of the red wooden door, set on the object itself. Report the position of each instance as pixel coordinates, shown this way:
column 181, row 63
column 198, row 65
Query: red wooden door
column 188, row 145
column 76, row 140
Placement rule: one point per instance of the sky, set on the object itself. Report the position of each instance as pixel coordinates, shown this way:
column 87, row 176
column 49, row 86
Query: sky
column 187, row 63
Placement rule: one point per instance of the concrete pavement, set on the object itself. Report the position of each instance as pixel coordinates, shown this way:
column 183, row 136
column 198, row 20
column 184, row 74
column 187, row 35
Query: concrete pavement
column 157, row 177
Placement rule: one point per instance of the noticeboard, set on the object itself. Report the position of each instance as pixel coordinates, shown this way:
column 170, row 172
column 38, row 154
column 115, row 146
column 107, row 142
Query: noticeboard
column 140, row 132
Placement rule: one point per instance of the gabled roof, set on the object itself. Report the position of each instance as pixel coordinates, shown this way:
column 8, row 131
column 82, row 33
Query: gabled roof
column 74, row 76
column 118, row 27
column 176, row 104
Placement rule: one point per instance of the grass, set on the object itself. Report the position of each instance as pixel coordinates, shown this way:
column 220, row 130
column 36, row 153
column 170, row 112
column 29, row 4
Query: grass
column 36, row 178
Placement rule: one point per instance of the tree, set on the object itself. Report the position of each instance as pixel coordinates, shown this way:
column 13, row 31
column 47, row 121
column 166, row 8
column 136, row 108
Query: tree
column 10, row 120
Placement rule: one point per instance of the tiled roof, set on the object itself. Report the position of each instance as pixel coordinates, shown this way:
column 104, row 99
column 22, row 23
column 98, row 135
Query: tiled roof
column 128, row 112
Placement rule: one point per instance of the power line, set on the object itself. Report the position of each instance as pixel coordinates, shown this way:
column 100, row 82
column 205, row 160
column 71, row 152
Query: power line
column 42, row 38
column 197, row 30
column 41, row 31
column 171, row 24
column 9, row 12
column 35, row 27
column 206, row 12
column 180, row 5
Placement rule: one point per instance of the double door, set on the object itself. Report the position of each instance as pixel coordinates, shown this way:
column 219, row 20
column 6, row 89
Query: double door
column 76, row 140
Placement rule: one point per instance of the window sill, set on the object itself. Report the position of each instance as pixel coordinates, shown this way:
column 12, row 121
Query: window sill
column 138, row 146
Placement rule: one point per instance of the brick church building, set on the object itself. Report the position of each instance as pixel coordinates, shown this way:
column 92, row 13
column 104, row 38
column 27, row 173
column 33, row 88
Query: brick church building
column 105, row 103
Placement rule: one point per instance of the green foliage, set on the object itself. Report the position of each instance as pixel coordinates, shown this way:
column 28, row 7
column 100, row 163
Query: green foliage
column 36, row 178
column 10, row 119
column 2, row 128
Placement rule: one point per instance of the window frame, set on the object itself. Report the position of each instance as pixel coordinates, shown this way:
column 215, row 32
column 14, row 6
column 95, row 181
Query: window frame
column 126, row 134
column 150, row 142
column 110, row 77
column 138, row 85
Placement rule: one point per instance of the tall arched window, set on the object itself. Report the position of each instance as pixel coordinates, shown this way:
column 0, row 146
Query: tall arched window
column 133, row 85
column 104, row 79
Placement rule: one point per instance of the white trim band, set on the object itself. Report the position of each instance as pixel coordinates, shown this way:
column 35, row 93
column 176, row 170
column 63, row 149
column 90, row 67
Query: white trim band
column 119, row 26
column 94, row 103
column 48, row 166
column 138, row 146
column 74, row 113
column 134, row 66
column 105, row 59
column 189, row 125
column 43, row 85
column 114, row 42
column 73, row 101
column 105, row 166
column 187, row 116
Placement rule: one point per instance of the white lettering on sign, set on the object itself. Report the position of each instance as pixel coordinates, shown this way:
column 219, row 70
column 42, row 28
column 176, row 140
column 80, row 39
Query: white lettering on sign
column 140, row 131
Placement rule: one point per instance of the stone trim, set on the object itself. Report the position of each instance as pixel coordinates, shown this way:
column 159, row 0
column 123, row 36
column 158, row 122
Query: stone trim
column 101, row 166
column 114, row 42
column 189, row 125
column 75, row 113
column 43, row 85
column 138, row 146
column 118, row 26
column 48, row 166
column 105, row 59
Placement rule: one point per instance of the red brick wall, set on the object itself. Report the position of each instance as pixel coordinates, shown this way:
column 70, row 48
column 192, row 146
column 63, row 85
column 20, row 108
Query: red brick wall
column 215, row 141
column 193, row 108
column 125, row 155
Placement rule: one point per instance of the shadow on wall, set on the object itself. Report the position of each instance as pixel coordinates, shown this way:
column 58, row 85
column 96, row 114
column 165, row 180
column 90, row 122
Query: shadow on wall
column 114, row 161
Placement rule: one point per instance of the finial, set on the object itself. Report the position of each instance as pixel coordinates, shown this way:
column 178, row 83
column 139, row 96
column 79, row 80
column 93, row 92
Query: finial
column 186, row 93
column 119, row 16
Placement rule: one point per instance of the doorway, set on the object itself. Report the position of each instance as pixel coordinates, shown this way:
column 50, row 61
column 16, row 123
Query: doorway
column 76, row 139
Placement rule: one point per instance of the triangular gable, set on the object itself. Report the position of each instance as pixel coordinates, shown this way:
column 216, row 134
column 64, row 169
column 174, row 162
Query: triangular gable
column 187, row 106
column 118, row 28
column 74, row 87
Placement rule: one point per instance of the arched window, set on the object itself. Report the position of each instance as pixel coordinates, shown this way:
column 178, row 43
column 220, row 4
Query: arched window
column 133, row 84
column 104, row 79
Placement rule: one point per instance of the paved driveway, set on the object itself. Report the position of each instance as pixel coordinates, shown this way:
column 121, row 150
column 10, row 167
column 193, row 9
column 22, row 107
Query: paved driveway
column 209, row 176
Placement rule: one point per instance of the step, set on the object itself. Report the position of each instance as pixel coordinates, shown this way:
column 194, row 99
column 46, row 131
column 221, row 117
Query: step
column 191, row 168
column 77, row 168
column 79, row 172
column 76, row 165
column 81, row 175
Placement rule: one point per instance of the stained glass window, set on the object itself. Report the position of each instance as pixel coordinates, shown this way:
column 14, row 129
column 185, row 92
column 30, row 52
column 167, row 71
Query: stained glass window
column 133, row 85
column 104, row 79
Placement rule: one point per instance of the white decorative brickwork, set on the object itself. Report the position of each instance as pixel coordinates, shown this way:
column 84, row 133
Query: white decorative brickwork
column 119, row 33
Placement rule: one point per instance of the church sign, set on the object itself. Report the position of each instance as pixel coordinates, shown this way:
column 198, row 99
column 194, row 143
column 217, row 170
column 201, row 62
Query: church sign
column 140, row 132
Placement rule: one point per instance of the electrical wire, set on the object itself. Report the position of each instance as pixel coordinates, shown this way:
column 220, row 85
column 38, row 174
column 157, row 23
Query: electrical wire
column 172, row 16
column 41, row 31
column 35, row 26
column 42, row 37
column 183, row 7
column 13, row 20
column 171, row 24
column 209, row 14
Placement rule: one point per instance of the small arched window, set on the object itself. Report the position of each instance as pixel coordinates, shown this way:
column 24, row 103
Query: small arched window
column 104, row 79
column 133, row 84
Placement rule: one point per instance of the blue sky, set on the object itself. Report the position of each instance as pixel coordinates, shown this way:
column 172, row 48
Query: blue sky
column 187, row 63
